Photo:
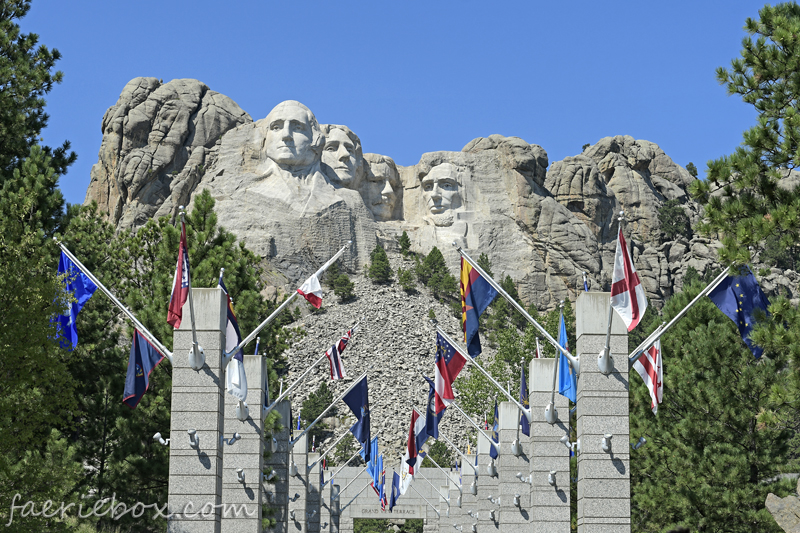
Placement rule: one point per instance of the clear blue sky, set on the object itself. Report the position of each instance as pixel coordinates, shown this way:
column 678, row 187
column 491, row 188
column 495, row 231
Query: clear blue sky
column 414, row 77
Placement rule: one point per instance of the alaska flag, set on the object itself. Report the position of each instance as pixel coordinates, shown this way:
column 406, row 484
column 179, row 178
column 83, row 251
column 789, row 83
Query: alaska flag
column 739, row 297
column 431, row 418
column 567, row 382
column 395, row 491
column 143, row 359
column 82, row 288
column 495, row 433
column 523, row 399
column 358, row 402
column 476, row 295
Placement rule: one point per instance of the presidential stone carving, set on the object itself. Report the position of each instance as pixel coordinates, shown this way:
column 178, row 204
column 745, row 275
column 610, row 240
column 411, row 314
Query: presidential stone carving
column 296, row 190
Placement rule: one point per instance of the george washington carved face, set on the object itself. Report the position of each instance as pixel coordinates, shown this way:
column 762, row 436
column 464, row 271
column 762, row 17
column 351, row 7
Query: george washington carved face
column 293, row 138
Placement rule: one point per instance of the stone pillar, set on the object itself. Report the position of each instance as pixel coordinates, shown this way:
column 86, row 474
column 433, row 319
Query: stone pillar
column 487, row 486
column 469, row 502
column 513, row 518
column 298, row 487
column 195, row 474
column 313, row 495
column 242, row 502
column 550, row 505
column 334, row 505
column 604, row 488
column 276, row 491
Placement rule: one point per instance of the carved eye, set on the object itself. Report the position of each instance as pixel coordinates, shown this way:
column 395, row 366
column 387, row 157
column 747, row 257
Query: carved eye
column 331, row 147
column 275, row 126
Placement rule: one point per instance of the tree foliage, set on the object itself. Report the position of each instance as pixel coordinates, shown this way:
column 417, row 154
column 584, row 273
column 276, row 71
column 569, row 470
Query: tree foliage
column 721, row 435
column 312, row 407
column 673, row 220
column 379, row 269
column 405, row 244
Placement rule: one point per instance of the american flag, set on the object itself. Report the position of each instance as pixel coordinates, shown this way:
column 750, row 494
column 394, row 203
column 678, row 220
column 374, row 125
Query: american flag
column 334, row 355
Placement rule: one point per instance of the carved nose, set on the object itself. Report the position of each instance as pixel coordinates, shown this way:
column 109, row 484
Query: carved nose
column 387, row 189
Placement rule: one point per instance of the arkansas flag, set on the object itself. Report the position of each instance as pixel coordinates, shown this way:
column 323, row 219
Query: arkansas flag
column 627, row 294
column 311, row 290
column 449, row 363
column 417, row 435
column 180, row 283
column 334, row 355
column 651, row 368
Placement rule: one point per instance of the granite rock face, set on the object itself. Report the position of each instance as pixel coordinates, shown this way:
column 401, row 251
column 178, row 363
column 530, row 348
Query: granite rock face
column 155, row 142
column 295, row 197
column 785, row 511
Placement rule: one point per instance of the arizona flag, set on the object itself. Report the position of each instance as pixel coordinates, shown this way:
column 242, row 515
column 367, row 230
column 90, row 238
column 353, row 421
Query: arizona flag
column 311, row 290
column 180, row 283
column 143, row 359
column 448, row 364
column 627, row 294
column 651, row 368
column 417, row 435
column 476, row 295
column 334, row 355
column 235, row 378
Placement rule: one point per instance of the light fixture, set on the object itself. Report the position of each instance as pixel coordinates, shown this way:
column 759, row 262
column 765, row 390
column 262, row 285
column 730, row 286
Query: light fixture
column 635, row 445
column 274, row 448
column 516, row 448
column 491, row 469
column 550, row 414
column 551, row 478
column 524, row 479
column 293, row 469
column 291, row 514
column 194, row 438
column 229, row 441
column 458, row 501
column 492, row 515
column 270, row 476
column 606, row 442
column 473, row 488
column 474, row 528
column 495, row 501
column 473, row 514
column 456, row 526
column 160, row 439
column 240, row 474
column 242, row 411
column 574, row 446
column 312, row 514
column 516, row 500
column 296, row 495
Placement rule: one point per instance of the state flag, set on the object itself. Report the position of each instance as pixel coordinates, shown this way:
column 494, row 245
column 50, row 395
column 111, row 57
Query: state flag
column 143, row 359
column 82, row 288
column 448, row 365
column 432, row 419
column 417, row 435
column 567, row 380
column 627, row 294
column 311, row 290
column 180, row 283
column 476, row 295
column 651, row 368
column 235, row 378
column 395, row 491
column 740, row 298
column 334, row 355
column 523, row 399
column 493, row 450
column 357, row 399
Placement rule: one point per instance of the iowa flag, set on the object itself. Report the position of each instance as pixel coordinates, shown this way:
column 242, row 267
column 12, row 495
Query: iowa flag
column 476, row 295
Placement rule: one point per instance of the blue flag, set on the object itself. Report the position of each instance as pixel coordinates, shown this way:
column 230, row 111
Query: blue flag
column 739, row 297
column 143, row 359
column 358, row 402
column 476, row 295
column 523, row 399
column 567, row 381
column 431, row 418
column 495, row 432
column 373, row 469
column 395, row 491
column 82, row 287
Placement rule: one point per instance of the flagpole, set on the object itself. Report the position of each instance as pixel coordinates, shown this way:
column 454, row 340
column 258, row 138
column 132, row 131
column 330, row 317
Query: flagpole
column 604, row 360
column 459, row 452
column 446, row 475
column 634, row 356
column 429, row 483
column 312, row 424
column 426, row 499
column 550, row 413
column 496, row 445
column 143, row 330
column 285, row 303
column 298, row 380
column 197, row 357
column 356, row 496
column 345, row 463
column 470, row 360
column 351, row 482
column 574, row 361
column 332, row 447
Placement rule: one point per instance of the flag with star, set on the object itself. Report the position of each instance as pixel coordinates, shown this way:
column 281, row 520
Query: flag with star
column 741, row 299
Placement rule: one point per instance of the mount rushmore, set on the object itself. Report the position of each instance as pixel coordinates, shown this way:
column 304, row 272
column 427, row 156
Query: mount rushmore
column 295, row 190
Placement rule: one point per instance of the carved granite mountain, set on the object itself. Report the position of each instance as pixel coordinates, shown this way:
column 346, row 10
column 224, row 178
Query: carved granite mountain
column 295, row 191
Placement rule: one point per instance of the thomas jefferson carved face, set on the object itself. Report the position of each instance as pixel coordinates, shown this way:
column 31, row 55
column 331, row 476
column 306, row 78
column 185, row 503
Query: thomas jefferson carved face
column 342, row 160
column 293, row 136
column 440, row 189
column 381, row 190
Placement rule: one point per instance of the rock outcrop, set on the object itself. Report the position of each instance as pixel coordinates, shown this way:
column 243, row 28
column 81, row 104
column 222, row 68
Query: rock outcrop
column 785, row 511
column 544, row 227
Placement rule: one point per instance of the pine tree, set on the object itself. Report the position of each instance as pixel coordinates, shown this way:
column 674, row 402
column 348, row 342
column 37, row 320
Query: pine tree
column 721, row 435
column 673, row 220
column 756, row 209
column 441, row 453
column 343, row 288
column 312, row 407
column 379, row 269
column 405, row 244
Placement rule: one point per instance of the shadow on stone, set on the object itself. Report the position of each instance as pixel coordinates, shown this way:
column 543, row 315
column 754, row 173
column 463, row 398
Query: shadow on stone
column 204, row 460
column 561, row 495
column 618, row 464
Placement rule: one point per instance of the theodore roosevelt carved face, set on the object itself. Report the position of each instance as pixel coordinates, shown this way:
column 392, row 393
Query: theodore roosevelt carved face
column 293, row 137
column 441, row 191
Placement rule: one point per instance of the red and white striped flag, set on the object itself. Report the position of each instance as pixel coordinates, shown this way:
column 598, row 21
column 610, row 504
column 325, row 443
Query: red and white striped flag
column 311, row 290
column 651, row 368
column 416, row 438
column 334, row 355
column 180, row 283
column 627, row 294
